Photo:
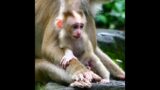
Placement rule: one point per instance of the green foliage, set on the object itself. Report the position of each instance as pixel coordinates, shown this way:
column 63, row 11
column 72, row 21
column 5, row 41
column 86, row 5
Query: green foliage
column 39, row 86
column 112, row 15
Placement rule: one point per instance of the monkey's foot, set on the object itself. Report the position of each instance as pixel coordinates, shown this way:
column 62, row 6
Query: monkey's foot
column 87, row 76
column 120, row 77
column 81, row 84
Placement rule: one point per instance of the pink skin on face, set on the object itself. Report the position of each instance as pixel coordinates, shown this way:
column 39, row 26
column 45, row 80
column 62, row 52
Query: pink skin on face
column 77, row 33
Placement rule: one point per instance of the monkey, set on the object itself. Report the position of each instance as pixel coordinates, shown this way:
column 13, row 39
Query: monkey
column 73, row 38
column 48, row 53
column 90, row 7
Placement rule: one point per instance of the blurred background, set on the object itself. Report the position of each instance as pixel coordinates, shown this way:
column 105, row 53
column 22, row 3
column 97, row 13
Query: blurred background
column 112, row 15
column 110, row 23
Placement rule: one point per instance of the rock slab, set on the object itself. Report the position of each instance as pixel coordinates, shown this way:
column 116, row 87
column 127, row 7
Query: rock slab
column 113, row 85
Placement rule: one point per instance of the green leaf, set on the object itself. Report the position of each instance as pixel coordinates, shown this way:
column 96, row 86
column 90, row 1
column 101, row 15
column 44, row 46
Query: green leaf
column 101, row 19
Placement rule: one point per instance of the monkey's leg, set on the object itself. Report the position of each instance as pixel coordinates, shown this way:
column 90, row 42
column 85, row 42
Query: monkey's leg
column 98, row 66
column 114, row 69
column 45, row 70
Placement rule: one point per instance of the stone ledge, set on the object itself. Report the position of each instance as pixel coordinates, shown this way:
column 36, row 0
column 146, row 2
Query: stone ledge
column 113, row 85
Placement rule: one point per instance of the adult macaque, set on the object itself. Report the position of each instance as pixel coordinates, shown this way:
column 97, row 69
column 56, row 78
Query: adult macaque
column 72, row 37
column 48, row 54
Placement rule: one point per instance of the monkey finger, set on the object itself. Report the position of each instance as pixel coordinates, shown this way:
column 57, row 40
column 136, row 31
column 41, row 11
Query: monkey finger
column 76, row 78
column 61, row 61
column 87, row 84
column 96, row 77
column 64, row 63
column 87, row 76
column 87, row 81
column 81, row 77
column 76, row 84
column 90, row 75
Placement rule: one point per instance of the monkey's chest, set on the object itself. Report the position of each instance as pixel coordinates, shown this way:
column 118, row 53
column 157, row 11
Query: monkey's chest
column 78, row 49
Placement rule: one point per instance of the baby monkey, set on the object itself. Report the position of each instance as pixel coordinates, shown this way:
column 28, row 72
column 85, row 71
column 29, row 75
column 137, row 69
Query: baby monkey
column 74, row 40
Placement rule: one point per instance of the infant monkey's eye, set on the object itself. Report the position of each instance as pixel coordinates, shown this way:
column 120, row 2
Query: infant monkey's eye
column 81, row 25
column 75, row 26
column 78, row 25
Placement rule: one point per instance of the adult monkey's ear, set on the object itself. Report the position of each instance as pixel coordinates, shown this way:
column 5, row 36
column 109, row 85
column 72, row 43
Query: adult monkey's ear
column 59, row 23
